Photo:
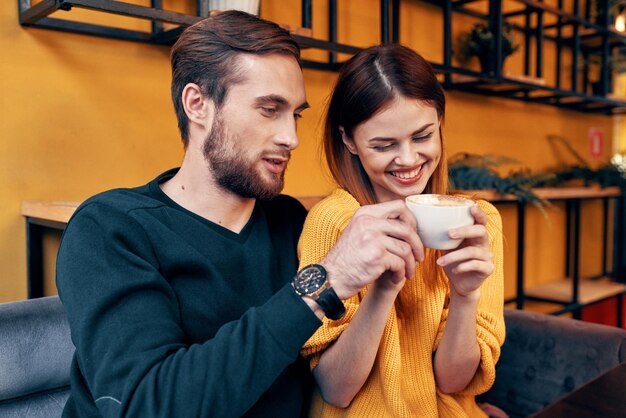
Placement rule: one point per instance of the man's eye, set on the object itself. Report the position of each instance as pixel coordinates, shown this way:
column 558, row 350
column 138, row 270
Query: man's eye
column 422, row 138
column 269, row 110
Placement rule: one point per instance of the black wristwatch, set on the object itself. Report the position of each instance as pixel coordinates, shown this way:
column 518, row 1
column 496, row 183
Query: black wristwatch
column 311, row 281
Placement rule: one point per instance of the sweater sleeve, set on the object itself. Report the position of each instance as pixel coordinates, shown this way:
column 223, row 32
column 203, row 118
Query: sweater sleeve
column 322, row 228
column 490, row 330
column 130, row 346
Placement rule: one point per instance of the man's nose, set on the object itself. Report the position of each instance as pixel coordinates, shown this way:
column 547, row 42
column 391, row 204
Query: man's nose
column 287, row 135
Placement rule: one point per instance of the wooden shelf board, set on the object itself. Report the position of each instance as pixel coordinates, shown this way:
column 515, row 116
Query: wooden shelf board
column 51, row 211
column 462, row 78
column 615, row 96
column 540, row 81
column 589, row 290
column 501, row 87
column 62, row 211
column 572, row 99
column 542, row 94
column 548, row 193
column 576, row 192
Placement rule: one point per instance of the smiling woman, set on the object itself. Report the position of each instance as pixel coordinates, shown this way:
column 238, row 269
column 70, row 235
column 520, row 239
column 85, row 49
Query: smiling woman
column 398, row 157
column 418, row 347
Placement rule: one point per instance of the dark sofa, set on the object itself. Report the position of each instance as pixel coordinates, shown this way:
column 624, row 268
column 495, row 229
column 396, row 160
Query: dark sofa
column 543, row 358
column 35, row 356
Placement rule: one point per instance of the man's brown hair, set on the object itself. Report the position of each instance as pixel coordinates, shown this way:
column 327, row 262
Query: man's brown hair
column 206, row 54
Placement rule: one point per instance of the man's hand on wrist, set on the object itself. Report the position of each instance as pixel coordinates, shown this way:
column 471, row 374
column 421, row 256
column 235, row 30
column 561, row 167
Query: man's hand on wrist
column 332, row 277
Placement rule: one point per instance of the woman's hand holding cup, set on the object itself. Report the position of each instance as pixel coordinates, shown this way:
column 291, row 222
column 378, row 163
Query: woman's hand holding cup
column 457, row 226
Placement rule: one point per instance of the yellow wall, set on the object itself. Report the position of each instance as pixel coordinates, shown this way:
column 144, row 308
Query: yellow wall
column 81, row 114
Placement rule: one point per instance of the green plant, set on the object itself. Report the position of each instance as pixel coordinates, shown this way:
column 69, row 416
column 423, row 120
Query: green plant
column 607, row 175
column 481, row 42
column 478, row 172
column 475, row 172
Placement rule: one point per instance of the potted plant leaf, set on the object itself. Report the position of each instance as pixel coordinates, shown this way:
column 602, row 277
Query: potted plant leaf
column 480, row 41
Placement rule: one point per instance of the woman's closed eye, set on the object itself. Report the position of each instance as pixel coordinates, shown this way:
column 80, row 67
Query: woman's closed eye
column 383, row 147
column 421, row 138
column 389, row 145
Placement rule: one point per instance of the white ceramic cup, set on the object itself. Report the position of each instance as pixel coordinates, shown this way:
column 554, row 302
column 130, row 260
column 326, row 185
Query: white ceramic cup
column 436, row 215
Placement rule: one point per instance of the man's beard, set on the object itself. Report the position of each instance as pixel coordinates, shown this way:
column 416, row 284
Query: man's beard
column 230, row 168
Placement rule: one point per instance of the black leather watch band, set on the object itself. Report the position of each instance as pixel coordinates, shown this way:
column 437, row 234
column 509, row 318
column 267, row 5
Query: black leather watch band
column 330, row 303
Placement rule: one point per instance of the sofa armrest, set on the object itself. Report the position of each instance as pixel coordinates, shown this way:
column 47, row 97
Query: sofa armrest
column 35, row 347
column 545, row 357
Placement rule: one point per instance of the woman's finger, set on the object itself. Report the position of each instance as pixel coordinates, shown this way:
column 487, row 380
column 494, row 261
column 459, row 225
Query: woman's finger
column 484, row 268
column 465, row 254
column 475, row 231
column 480, row 217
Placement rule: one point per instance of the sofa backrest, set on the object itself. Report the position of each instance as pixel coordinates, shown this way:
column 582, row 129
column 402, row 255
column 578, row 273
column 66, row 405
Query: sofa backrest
column 545, row 357
column 35, row 356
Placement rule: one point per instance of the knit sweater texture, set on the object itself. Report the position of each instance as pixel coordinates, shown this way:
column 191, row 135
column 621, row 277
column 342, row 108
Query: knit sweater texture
column 175, row 316
column 402, row 382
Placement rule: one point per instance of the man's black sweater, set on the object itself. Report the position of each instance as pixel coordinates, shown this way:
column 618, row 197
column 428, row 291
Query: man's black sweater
column 175, row 316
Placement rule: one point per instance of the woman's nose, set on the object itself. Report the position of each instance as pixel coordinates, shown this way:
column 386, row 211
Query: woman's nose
column 407, row 155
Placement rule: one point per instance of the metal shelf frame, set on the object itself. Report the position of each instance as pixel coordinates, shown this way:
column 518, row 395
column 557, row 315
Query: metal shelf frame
column 575, row 96
column 612, row 266
column 572, row 97
column 38, row 16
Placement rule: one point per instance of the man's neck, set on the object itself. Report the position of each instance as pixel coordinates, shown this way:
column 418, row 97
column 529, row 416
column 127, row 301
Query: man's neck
column 195, row 189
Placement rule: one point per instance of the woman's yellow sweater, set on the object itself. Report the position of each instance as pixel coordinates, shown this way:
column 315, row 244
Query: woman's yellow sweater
column 402, row 382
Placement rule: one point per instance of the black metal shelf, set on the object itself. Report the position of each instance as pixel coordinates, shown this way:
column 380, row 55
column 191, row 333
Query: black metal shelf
column 38, row 16
column 594, row 40
column 570, row 31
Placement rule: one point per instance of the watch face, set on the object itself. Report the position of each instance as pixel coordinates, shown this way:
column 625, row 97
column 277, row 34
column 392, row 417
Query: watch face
column 309, row 279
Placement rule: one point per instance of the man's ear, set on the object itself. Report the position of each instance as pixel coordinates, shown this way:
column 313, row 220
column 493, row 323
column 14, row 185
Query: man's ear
column 198, row 108
column 348, row 142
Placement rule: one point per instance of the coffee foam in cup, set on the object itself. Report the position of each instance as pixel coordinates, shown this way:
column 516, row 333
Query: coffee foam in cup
column 440, row 200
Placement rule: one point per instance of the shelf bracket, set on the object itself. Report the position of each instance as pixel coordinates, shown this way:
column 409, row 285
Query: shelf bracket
column 31, row 14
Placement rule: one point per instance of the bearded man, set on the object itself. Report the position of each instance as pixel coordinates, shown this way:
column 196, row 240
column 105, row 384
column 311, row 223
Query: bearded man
column 181, row 294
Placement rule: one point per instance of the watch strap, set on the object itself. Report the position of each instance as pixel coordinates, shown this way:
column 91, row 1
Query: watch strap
column 330, row 303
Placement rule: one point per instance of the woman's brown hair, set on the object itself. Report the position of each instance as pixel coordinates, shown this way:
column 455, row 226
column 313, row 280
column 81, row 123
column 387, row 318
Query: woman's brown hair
column 367, row 83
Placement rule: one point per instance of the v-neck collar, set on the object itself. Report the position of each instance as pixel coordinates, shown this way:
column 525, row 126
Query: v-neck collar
column 160, row 195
